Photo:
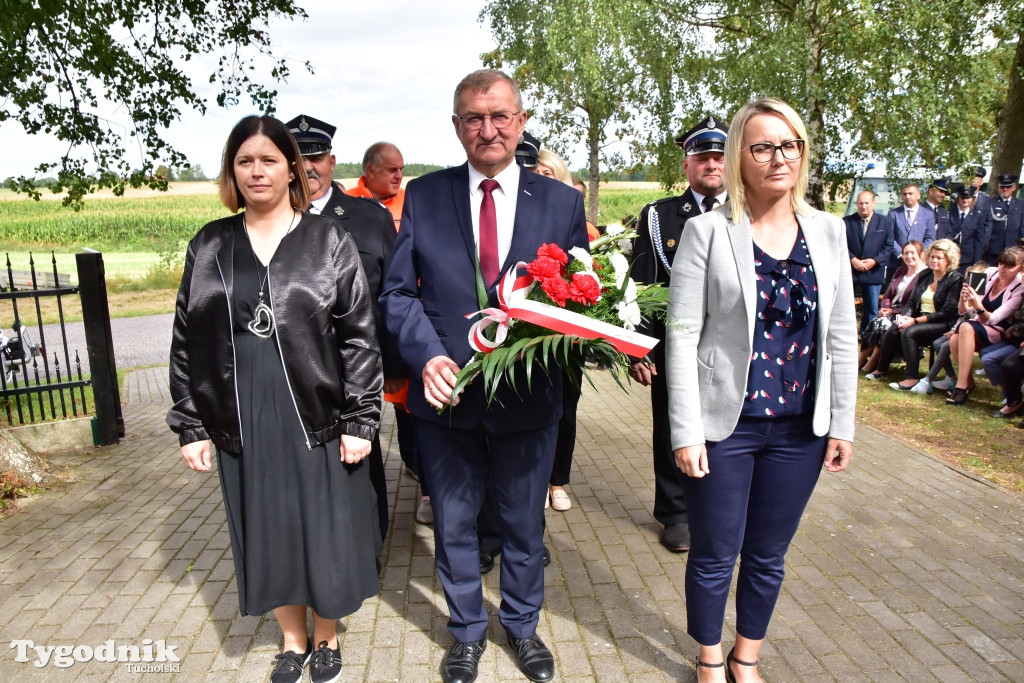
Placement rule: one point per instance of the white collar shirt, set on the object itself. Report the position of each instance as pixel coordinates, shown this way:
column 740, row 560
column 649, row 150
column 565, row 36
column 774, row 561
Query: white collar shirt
column 700, row 198
column 317, row 206
column 505, row 199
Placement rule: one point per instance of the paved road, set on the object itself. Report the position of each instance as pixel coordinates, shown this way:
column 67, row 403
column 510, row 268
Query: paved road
column 903, row 569
column 138, row 342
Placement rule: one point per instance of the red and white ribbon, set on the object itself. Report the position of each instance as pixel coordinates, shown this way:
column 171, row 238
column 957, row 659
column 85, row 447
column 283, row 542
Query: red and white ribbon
column 513, row 305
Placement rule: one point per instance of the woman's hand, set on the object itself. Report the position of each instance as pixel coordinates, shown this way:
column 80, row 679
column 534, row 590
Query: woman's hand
column 693, row 460
column 884, row 311
column 838, row 454
column 197, row 455
column 970, row 297
column 905, row 321
column 353, row 449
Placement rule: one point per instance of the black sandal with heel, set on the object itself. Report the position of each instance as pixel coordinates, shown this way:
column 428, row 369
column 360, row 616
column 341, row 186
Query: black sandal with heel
column 708, row 666
column 730, row 660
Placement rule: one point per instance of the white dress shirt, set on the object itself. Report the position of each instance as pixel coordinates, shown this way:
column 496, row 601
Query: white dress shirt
column 700, row 198
column 505, row 198
column 317, row 206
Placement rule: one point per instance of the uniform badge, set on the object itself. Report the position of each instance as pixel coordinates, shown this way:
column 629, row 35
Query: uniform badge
column 340, row 211
column 671, row 243
column 687, row 206
column 303, row 126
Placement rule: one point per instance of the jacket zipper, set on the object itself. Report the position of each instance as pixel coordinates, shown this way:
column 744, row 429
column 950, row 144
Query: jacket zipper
column 280, row 353
column 234, row 359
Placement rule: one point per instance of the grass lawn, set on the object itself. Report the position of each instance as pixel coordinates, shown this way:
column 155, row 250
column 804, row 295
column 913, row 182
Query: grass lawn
column 963, row 435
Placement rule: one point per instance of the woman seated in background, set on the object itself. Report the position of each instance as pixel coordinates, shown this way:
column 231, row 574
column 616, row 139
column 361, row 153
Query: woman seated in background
column 993, row 312
column 893, row 301
column 931, row 311
column 941, row 361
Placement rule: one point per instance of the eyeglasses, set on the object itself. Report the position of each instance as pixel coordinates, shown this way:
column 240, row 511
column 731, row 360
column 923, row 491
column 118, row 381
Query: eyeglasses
column 763, row 152
column 499, row 119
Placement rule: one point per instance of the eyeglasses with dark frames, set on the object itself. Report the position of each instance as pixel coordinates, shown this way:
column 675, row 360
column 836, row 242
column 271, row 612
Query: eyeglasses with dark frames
column 764, row 152
column 499, row 119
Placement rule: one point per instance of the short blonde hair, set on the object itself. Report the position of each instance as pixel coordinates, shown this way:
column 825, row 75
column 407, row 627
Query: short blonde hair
column 949, row 249
column 548, row 158
column 734, row 146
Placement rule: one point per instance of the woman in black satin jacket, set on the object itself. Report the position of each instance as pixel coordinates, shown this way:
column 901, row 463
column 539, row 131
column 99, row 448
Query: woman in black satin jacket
column 275, row 360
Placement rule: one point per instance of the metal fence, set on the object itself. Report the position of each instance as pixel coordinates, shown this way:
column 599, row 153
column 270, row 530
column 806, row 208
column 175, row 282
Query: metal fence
column 41, row 377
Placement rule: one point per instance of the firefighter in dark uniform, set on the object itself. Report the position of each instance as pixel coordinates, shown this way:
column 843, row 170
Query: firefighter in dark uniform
column 1006, row 213
column 938, row 190
column 659, row 228
column 373, row 230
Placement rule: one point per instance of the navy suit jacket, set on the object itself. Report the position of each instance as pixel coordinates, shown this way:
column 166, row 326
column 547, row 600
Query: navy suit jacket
column 923, row 230
column 876, row 244
column 431, row 286
column 971, row 233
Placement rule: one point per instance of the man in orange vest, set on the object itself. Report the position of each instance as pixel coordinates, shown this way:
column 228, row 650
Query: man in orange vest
column 382, row 178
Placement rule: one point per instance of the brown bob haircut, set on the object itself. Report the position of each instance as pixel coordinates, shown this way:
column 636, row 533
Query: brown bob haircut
column 277, row 132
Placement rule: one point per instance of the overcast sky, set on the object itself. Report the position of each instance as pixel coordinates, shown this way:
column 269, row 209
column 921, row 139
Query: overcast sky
column 384, row 71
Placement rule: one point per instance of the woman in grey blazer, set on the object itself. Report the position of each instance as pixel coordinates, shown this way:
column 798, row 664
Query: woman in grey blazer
column 762, row 377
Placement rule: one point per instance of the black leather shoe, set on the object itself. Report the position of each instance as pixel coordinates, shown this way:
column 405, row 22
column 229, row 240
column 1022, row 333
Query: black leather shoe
column 676, row 537
column 460, row 664
column 487, row 560
column 546, row 555
column 533, row 658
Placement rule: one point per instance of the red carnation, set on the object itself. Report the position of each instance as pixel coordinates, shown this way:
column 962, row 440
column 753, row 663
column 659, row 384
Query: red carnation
column 553, row 251
column 557, row 290
column 544, row 267
column 584, row 289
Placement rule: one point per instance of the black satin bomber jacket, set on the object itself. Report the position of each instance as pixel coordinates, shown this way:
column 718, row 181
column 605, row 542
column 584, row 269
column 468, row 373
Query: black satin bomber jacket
column 325, row 332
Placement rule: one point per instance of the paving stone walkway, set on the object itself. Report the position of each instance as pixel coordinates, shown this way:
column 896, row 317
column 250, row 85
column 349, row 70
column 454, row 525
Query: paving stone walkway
column 903, row 569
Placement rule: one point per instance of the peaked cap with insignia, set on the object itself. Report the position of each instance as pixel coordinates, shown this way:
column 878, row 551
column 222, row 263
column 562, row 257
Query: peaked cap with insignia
column 706, row 136
column 312, row 135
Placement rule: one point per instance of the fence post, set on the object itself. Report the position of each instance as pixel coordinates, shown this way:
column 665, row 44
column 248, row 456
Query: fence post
column 92, row 286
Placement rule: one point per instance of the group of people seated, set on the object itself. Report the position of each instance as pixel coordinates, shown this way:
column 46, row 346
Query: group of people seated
column 930, row 303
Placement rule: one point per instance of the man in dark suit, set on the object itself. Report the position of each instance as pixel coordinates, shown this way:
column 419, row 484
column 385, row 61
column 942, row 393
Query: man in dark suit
column 659, row 229
column 938, row 190
column 372, row 229
column 911, row 222
column 970, row 228
column 462, row 228
column 1006, row 215
column 869, row 238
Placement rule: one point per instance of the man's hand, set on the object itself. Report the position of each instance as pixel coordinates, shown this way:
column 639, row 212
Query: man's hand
column 393, row 384
column 438, row 380
column 642, row 371
column 837, row 455
column 197, row 455
column 858, row 265
column 353, row 449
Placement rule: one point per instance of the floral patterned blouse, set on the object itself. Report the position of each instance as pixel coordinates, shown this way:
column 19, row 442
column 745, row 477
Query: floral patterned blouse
column 781, row 379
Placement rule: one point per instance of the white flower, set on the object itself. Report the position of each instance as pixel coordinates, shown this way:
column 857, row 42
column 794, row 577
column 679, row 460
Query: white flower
column 614, row 229
column 627, row 308
column 621, row 267
column 583, row 256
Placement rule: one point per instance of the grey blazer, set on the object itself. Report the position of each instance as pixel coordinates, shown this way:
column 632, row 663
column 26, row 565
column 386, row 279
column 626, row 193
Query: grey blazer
column 710, row 332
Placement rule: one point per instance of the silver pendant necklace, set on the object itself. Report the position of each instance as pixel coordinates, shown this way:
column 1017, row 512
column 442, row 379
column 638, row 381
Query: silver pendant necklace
column 262, row 324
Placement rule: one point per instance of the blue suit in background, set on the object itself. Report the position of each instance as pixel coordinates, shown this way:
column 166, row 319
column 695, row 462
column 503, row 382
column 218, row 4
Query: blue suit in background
column 876, row 244
column 430, row 287
column 1007, row 229
column 922, row 230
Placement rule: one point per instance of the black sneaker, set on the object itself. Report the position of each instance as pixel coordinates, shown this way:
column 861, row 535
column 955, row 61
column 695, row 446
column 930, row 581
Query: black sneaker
column 325, row 666
column 290, row 664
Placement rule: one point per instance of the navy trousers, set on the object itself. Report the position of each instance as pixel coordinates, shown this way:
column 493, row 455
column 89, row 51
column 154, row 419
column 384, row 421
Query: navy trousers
column 748, row 506
column 458, row 464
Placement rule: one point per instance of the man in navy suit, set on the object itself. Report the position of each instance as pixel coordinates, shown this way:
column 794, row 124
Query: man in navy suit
column 938, row 190
column 869, row 237
column 462, row 228
column 912, row 222
column 970, row 227
column 1006, row 217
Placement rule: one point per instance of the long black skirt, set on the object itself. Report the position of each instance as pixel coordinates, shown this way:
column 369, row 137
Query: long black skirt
column 303, row 525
